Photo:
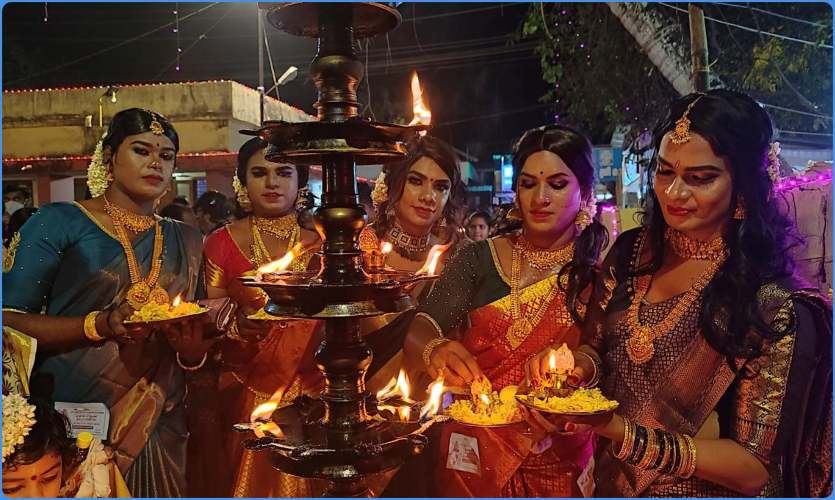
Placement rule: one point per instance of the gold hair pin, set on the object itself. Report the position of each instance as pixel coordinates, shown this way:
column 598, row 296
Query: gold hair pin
column 156, row 126
column 681, row 134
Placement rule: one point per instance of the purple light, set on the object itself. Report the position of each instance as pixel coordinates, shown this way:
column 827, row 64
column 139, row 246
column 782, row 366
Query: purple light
column 556, row 24
column 556, row 117
column 563, row 12
column 627, row 108
column 588, row 56
column 780, row 186
column 175, row 30
column 569, row 23
column 175, row 12
column 179, row 50
column 582, row 45
column 820, row 177
column 805, row 179
column 557, row 85
column 177, row 68
column 793, row 183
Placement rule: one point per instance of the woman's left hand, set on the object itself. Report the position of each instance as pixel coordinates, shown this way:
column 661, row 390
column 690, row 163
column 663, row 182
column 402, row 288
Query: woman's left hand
column 187, row 338
column 555, row 424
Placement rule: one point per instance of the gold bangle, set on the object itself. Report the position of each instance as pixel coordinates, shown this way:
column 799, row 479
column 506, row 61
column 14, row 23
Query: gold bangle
column 685, row 456
column 650, row 451
column 232, row 332
column 627, row 436
column 192, row 368
column 691, row 469
column 430, row 346
column 90, row 327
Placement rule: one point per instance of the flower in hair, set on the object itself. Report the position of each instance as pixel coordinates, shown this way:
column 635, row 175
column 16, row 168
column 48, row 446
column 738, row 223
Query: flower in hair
column 774, row 161
column 381, row 192
column 18, row 419
column 97, row 171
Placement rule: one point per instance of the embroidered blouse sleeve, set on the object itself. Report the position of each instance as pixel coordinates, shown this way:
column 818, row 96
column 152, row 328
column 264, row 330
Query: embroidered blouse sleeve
column 452, row 296
column 37, row 259
column 214, row 274
column 780, row 381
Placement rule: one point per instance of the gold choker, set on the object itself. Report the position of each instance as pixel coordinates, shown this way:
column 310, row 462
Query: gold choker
column 689, row 248
column 543, row 258
column 280, row 227
column 121, row 217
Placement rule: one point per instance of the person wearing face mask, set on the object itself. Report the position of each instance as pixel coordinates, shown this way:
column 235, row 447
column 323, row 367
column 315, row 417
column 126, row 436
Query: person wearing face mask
column 259, row 357
column 720, row 357
column 15, row 197
column 416, row 202
column 82, row 269
column 513, row 295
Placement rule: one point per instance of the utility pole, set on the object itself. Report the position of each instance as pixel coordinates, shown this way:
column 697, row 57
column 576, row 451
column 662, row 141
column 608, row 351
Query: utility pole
column 261, row 87
column 698, row 48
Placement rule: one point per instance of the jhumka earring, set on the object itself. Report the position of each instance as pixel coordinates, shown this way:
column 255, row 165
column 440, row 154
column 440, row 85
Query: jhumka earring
column 515, row 213
column 302, row 199
column 741, row 210
column 681, row 134
column 241, row 194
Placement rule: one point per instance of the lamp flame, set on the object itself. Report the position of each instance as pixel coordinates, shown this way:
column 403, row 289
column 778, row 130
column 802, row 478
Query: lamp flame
column 261, row 415
column 432, row 261
column 176, row 301
column 436, row 392
column 423, row 116
column 396, row 387
column 485, row 399
column 280, row 264
column 552, row 363
column 386, row 248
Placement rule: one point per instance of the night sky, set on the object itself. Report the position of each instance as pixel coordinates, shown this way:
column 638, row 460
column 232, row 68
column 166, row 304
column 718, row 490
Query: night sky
column 483, row 90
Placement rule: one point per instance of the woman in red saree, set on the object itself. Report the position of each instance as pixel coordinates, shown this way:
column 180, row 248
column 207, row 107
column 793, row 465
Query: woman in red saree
column 261, row 358
column 512, row 296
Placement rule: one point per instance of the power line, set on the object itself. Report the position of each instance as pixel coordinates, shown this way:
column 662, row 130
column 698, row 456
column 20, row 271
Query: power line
column 752, row 30
column 460, row 12
column 500, row 113
column 818, row 134
column 781, row 16
column 108, row 49
column 789, row 110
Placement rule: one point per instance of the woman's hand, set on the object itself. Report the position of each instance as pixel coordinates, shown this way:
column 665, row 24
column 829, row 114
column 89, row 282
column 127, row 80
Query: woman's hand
column 541, row 425
column 537, row 368
column 113, row 321
column 251, row 330
column 187, row 338
column 458, row 366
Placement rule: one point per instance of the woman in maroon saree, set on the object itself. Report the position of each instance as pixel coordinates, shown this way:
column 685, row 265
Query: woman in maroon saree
column 720, row 357
column 512, row 296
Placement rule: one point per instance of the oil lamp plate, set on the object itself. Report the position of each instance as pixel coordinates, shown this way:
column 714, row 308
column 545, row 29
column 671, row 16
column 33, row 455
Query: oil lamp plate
column 302, row 295
column 302, row 18
column 308, row 449
column 306, row 143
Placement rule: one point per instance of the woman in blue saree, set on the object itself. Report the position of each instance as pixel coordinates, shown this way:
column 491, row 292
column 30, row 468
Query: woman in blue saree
column 81, row 269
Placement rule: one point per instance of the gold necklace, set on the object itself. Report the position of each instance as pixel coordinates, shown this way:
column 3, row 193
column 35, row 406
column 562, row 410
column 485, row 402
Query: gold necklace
column 639, row 345
column 522, row 326
column 689, row 248
column 543, row 258
column 135, row 222
column 258, row 249
column 143, row 291
column 280, row 227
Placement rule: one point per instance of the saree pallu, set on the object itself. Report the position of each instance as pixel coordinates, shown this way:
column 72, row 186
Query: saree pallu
column 70, row 265
column 508, row 466
column 779, row 407
column 244, row 376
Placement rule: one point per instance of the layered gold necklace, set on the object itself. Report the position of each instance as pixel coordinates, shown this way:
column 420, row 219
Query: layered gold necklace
column 544, row 259
column 639, row 345
column 284, row 228
column 142, row 291
column 522, row 326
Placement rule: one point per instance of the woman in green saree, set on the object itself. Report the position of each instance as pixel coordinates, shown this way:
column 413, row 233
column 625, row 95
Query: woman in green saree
column 80, row 269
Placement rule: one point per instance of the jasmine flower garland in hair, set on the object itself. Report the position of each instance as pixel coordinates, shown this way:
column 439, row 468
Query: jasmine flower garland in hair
column 381, row 192
column 97, row 171
column 18, row 419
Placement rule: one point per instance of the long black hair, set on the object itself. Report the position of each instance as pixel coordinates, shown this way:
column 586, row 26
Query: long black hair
column 136, row 121
column 396, row 174
column 738, row 129
column 575, row 150
column 47, row 435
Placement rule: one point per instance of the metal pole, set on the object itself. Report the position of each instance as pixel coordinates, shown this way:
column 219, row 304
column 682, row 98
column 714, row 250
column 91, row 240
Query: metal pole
column 261, row 35
column 698, row 48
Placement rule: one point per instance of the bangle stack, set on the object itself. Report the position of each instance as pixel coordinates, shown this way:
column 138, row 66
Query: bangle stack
column 90, row 327
column 669, row 453
column 232, row 332
column 192, row 368
column 430, row 346
column 595, row 378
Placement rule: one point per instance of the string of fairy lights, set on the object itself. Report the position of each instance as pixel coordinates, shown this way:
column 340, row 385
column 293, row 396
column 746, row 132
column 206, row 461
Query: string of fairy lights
column 176, row 31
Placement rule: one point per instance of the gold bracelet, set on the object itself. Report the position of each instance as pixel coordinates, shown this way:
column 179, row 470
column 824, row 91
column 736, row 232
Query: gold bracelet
column 192, row 368
column 232, row 332
column 427, row 351
column 691, row 469
column 685, row 456
column 627, row 438
column 595, row 378
column 651, row 451
column 90, row 327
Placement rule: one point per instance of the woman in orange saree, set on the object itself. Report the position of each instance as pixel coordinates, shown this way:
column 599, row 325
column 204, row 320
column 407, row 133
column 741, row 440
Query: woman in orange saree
column 512, row 296
column 261, row 359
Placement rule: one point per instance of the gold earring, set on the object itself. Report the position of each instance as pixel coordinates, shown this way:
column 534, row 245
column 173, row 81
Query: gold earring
column 741, row 210
column 515, row 213
column 108, row 176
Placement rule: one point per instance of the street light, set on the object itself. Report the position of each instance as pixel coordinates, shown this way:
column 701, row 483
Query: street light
column 288, row 76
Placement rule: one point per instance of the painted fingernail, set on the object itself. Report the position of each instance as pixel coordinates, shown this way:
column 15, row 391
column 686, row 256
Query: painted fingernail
column 570, row 427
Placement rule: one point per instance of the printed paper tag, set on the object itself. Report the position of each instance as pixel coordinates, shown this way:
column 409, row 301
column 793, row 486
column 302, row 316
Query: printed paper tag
column 90, row 417
column 586, row 480
column 463, row 454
